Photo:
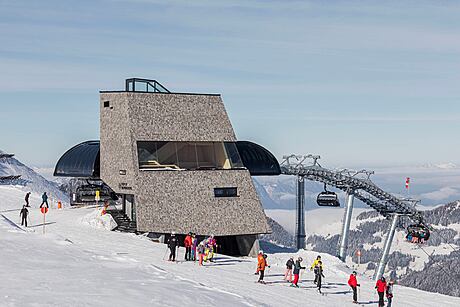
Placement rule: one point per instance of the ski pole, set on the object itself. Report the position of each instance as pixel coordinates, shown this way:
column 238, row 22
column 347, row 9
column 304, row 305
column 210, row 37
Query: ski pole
column 166, row 251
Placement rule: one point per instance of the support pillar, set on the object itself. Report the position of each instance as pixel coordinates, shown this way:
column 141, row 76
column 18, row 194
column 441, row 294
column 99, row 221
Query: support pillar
column 300, row 213
column 386, row 248
column 343, row 244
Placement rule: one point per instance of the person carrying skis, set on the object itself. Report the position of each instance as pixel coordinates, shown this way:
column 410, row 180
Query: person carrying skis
column 23, row 215
column 353, row 283
column 389, row 292
column 381, row 286
column 172, row 244
column 314, row 265
column 44, row 200
column 296, row 271
column 260, row 258
column 188, row 246
column 261, row 267
column 289, row 265
column 319, row 274
column 27, row 199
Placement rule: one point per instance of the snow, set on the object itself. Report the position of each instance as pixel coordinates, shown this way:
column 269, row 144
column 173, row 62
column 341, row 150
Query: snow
column 96, row 219
column 74, row 264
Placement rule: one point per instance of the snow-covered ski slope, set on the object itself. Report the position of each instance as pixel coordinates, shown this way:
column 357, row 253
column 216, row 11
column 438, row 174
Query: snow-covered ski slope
column 74, row 264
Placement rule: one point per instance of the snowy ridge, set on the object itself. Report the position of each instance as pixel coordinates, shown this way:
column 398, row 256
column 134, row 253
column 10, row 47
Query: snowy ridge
column 33, row 182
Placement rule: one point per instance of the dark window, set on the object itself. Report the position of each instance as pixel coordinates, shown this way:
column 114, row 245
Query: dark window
column 106, row 104
column 206, row 156
column 186, row 154
column 233, row 155
column 225, row 192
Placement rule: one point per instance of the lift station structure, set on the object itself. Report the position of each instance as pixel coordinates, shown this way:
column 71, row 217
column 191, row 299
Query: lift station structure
column 355, row 184
column 170, row 156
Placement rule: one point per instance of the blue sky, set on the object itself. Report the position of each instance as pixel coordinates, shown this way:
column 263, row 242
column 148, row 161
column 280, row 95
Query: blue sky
column 363, row 83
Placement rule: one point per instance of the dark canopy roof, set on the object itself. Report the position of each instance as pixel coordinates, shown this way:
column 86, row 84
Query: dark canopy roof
column 81, row 161
column 258, row 160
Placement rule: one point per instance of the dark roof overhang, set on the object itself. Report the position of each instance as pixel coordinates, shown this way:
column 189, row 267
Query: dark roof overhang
column 258, row 160
column 82, row 161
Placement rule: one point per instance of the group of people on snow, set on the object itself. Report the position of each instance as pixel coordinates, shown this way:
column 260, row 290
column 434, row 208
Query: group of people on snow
column 292, row 275
column 202, row 251
column 293, row 269
column 384, row 289
column 24, row 212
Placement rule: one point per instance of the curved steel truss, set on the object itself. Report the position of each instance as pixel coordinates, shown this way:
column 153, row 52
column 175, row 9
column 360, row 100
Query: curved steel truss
column 357, row 183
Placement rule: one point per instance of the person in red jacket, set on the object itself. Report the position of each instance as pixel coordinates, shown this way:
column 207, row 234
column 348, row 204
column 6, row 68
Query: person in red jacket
column 381, row 286
column 353, row 283
column 188, row 246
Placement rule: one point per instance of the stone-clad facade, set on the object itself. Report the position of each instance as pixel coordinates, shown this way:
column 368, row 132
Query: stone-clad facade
column 175, row 200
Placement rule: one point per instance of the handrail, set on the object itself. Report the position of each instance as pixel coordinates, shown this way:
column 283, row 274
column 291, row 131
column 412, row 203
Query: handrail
column 130, row 86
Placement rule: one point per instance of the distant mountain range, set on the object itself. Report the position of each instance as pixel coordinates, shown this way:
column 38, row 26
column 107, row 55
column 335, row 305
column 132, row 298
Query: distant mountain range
column 433, row 266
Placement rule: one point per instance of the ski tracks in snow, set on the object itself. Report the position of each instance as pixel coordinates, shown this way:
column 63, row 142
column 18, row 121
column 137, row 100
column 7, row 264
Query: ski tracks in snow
column 244, row 300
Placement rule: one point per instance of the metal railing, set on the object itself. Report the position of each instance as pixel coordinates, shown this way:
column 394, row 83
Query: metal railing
column 144, row 86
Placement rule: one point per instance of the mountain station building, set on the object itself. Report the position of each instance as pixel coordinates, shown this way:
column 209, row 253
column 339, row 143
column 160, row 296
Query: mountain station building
column 176, row 165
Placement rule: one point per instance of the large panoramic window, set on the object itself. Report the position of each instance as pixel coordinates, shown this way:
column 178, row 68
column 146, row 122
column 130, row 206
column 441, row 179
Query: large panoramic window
column 188, row 155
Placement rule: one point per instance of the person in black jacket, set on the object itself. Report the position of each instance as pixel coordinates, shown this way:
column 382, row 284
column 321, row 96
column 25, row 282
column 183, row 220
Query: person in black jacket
column 289, row 265
column 297, row 268
column 319, row 274
column 27, row 199
column 172, row 244
column 44, row 200
column 23, row 215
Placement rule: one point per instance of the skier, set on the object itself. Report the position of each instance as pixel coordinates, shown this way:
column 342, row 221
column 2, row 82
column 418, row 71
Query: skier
column 194, row 246
column 211, row 244
column 27, row 199
column 200, row 250
column 260, row 258
column 23, row 215
column 296, row 271
column 381, row 286
column 261, row 267
column 289, row 265
column 44, row 200
column 319, row 275
column 188, row 246
column 314, row 265
column 172, row 244
column 353, row 283
column 390, row 292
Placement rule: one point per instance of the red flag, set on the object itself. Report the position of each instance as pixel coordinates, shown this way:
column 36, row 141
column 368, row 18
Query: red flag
column 407, row 182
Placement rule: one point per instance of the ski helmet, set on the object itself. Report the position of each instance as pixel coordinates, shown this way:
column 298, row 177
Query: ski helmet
column 261, row 252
